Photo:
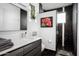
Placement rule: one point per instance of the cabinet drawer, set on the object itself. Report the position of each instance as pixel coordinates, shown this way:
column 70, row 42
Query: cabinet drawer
column 34, row 52
column 38, row 54
column 18, row 52
column 31, row 46
column 26, row 50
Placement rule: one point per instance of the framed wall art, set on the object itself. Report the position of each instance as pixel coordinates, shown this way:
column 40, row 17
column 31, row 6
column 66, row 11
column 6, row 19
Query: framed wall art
column 32, row 11
column 46, row 22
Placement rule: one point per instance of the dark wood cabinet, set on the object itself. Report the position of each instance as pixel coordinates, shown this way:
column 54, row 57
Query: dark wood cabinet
column 18, row 52
column 32, row 49
column 34, row 52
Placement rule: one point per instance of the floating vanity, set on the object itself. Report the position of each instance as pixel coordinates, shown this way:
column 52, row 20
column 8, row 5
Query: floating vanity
column 25, row 47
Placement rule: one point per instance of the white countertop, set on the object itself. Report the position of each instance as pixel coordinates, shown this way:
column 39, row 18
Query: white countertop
column 20, row 43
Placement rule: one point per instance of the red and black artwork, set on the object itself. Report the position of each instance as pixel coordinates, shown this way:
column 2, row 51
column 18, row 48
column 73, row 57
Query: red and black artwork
column 47, row 22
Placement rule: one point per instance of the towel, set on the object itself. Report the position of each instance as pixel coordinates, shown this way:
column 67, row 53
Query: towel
column 5, row 44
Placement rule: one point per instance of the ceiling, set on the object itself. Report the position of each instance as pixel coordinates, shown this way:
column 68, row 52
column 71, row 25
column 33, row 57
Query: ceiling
column 49, row 6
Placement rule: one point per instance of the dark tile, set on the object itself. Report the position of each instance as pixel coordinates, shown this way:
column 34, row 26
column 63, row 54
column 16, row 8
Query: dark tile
column 47, row 52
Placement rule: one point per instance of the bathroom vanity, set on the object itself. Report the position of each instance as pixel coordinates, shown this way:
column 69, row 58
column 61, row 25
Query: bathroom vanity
column 28, row 47
column 13, row 25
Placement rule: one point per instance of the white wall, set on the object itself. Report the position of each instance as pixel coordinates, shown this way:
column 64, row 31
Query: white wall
column 48, row 34
column 32, row 25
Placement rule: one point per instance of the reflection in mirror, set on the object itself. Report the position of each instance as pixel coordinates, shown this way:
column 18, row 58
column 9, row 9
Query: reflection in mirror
column 23, row 19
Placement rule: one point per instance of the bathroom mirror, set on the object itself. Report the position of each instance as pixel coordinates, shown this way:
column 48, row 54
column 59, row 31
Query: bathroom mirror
column 12, row 17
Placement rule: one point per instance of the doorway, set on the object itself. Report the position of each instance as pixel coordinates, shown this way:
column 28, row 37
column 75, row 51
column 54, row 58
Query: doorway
column 70, row 40
column 69, row 31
